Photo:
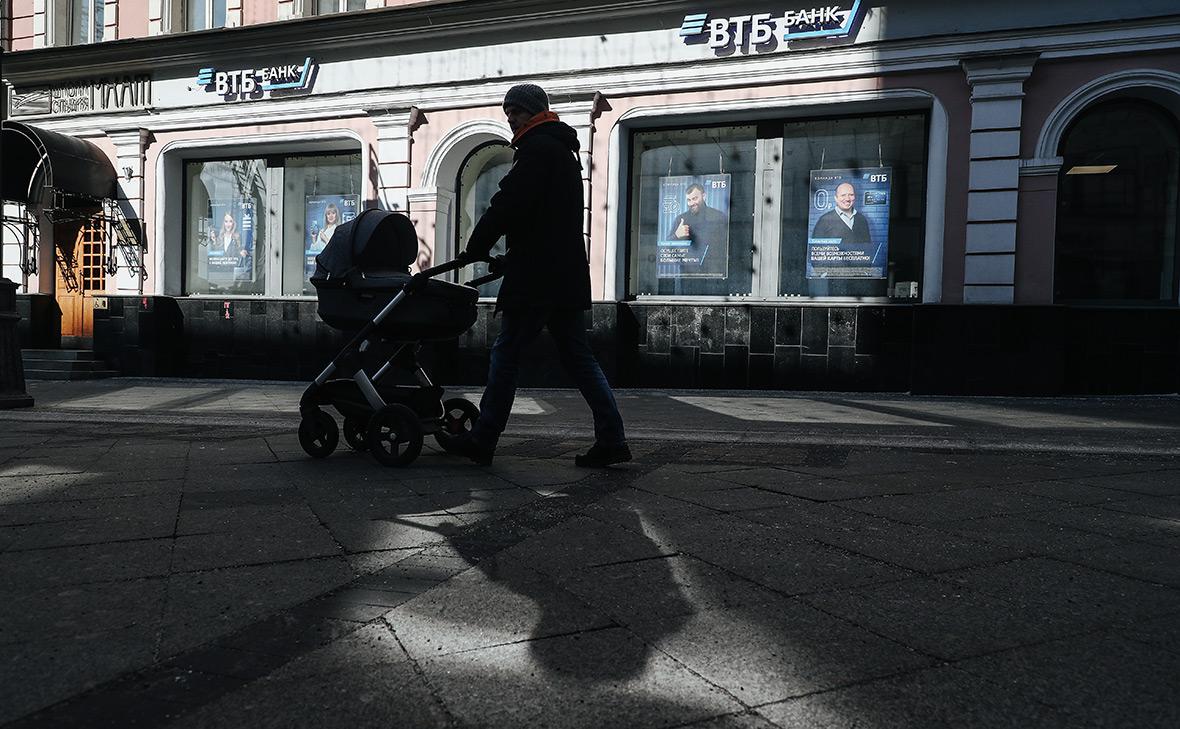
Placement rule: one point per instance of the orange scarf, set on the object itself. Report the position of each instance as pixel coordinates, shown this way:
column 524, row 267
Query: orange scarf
column 539, row 119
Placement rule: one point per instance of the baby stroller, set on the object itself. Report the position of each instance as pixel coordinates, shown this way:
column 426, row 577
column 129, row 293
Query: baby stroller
column 364, row 286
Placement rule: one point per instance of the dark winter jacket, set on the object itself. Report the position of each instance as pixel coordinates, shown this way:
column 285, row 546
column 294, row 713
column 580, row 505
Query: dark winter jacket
column 831, row 226
column 539, row 210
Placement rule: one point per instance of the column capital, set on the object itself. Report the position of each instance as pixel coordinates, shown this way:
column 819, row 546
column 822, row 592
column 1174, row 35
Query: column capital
column 1040, row 167
column 127, row 136
column 387, row 120
column 986, row 70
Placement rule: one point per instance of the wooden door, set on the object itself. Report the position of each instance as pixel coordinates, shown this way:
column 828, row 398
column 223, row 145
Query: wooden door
column 78, row 283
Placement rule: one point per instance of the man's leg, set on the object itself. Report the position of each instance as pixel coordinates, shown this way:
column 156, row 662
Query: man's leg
column 517, row 329
column 569, row 332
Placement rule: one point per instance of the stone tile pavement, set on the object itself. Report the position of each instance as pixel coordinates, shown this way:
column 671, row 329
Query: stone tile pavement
column 170, row 557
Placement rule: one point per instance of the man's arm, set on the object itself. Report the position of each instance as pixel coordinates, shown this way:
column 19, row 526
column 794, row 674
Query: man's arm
column 518, row 197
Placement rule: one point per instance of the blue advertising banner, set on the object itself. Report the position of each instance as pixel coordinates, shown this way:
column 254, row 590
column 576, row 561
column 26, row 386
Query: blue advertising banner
column 230, row 248
column 849, row 223
column 694, row 227
column 322, row 213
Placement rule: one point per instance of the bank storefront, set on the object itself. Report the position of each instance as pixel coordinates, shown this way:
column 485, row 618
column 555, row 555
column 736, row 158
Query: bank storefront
column 855, row 196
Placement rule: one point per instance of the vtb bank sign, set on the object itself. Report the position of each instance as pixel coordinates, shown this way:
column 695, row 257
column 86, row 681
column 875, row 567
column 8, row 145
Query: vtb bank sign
column 819, row 21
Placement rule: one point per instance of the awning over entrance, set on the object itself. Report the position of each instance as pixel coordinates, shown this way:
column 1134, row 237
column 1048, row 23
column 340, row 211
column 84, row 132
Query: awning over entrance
column 38, row 158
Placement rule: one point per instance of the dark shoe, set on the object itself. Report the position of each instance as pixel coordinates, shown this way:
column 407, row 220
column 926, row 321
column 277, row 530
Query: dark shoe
column 465, row 445
column 600, row 456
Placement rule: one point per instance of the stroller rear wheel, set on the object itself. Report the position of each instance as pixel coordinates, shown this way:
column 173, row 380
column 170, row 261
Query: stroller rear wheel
column 459, row 414
column 395, row 435
column 318, row 434
column 356, row 433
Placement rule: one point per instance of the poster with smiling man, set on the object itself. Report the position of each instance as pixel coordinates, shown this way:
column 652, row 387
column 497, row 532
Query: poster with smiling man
column 848, row 223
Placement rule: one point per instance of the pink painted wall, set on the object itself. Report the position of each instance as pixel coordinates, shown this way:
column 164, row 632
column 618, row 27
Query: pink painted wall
column 254, row 12
column 22, row 25
column 133, row 18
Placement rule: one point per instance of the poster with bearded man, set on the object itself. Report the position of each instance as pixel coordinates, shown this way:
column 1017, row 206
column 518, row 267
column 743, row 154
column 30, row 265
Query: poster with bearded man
column 694, row 227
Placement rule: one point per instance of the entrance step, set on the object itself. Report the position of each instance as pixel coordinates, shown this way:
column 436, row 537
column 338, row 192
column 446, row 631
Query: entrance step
column 64, row 364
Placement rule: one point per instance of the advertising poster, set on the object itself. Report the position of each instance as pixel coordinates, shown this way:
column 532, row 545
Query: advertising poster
column 694, row 227
column 322, row 213
column 848, row 223
column 230, row 248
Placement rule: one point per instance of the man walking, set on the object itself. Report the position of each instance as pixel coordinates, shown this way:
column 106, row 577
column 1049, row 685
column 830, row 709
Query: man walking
column 546, row 276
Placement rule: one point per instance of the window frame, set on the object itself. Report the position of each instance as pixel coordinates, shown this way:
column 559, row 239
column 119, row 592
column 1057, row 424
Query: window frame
column 769, row 138
column 210, row 6
column 458, row 241
column 270, row 221
column 313, row 8
column 60, row 26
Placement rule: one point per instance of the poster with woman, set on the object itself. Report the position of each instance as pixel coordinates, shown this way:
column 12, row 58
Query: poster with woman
column 694, row 227
column 230, row 245
column 322, row 213
column 848, row 223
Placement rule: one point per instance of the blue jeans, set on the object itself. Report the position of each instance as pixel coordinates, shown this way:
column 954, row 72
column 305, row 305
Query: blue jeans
column 567, row 326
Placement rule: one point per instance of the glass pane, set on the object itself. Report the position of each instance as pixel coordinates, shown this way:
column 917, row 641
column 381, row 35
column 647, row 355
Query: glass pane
column 79, row 21
column 99, row 19
column 218, row 14
column 323, row 7
column 693, row 208
column 854, row 194
column 194, row 16
column 319, row 193
column 478, row 181
column 356, row 4
column 225, row 213
column 1116, row 206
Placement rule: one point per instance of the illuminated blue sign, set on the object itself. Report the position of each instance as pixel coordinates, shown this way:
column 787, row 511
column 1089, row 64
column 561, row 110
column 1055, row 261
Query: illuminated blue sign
column 821, row 21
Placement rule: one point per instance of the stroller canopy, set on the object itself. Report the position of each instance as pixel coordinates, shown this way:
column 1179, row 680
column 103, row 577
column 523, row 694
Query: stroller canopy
column 375, row 240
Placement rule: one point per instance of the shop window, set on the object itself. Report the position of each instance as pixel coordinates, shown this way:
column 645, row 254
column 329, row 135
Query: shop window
column 326, row 7
column 853, row 194
column 204, row 14
column 479, row 179
column 319, row 193
column 226, row 236
column 238, row 210
column 1117, row 205
column 692, row 211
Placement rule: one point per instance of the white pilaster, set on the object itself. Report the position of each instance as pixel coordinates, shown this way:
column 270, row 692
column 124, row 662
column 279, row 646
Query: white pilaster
column 997, row 95
column 130, row 147
column 395, row 128
column 580, row 115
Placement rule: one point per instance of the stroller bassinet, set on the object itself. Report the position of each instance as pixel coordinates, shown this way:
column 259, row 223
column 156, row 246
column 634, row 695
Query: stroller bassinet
column 366, row 263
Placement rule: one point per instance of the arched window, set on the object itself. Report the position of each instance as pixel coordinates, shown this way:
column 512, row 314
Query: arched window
column 479, row 177
column 1117, row 206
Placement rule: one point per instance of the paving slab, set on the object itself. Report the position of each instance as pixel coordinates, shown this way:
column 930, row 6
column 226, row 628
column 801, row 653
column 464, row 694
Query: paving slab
column 769, row 653
column 597, row 679
column 1095, row 680
column 497, row 603
column 928, row 699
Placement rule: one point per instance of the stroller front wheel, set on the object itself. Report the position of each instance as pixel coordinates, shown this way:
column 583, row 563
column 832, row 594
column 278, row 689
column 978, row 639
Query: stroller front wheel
column 318, row 434
column 395, row 435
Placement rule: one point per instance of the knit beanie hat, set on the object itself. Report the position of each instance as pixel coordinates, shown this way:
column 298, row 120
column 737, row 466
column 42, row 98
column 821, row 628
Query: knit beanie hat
column 529, row 97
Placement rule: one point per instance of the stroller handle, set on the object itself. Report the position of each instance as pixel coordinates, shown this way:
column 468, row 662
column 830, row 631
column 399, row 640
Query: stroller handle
column 477, row 282
column 444, row 268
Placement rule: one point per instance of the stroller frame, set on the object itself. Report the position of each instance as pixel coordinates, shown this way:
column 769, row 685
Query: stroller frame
column 388, row 422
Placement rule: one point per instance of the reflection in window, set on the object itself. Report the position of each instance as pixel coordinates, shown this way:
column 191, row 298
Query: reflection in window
column 319, row 193
column 1117, row 205
column 84, row 20
column 479, row 179
column 226, row 231
column 692, row 212
column 325, row 7
column 852, row 206
column 205, row 14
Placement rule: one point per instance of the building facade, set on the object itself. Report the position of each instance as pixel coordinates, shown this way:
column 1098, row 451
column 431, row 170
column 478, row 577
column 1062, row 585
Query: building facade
column 868, row 195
